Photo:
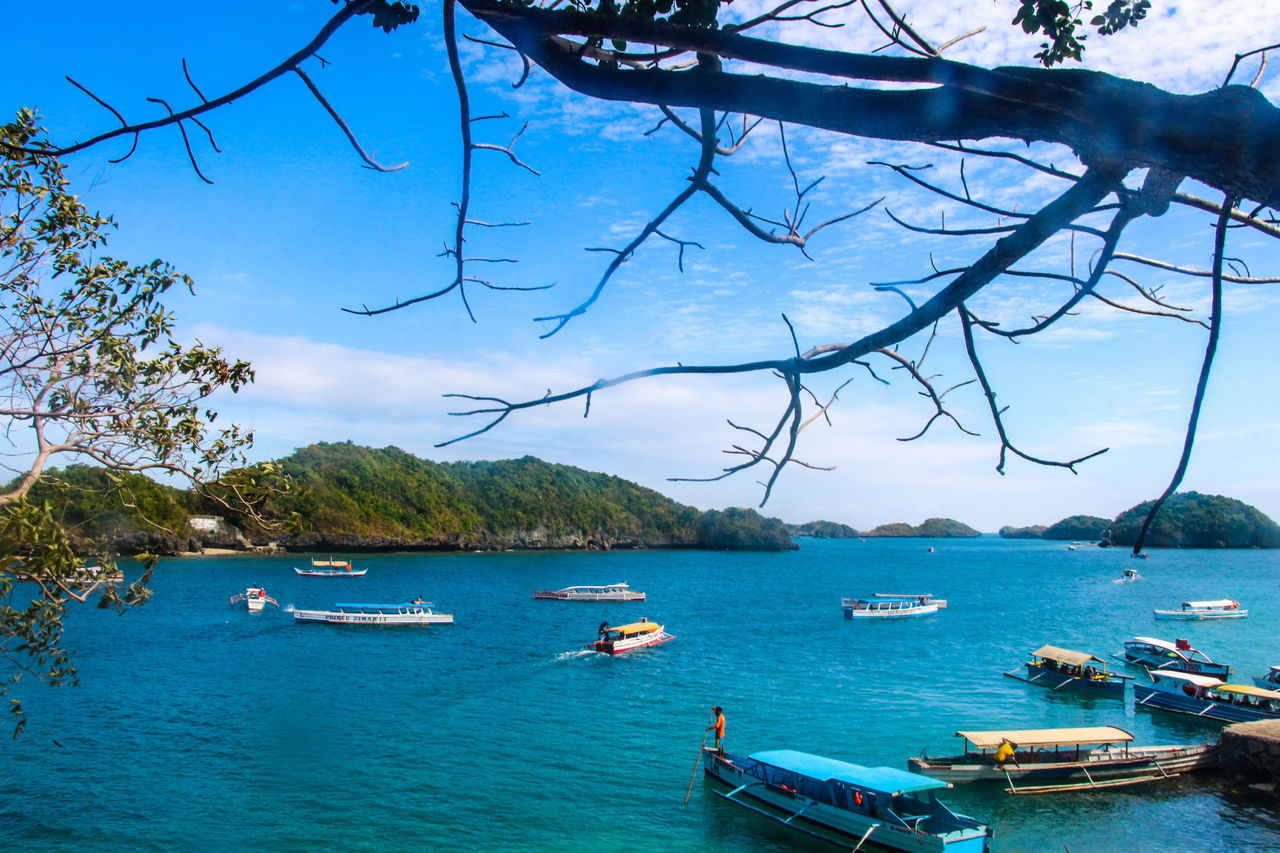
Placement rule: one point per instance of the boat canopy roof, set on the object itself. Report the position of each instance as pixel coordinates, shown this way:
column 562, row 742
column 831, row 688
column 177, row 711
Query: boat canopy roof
column 1247, row 690
column 1065, row 656
column 1193, row 678
column 595, row 586
column 636, row 626
column 1219, row 604
column 383, row 606
column 885, row 780
column 1048, row 737
column 1152, row 641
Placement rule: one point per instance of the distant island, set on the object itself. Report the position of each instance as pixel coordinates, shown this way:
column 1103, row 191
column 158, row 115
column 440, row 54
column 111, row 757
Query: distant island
column 1187, row 520
column 823, row 530
column 932, row 528
column 347, row 499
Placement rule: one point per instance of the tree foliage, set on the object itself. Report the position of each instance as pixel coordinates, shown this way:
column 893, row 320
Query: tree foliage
column 90, row 370
column 1193, row 520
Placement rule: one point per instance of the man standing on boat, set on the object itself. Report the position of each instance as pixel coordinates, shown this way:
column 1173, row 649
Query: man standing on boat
column 718, row 725
column 1005, row 752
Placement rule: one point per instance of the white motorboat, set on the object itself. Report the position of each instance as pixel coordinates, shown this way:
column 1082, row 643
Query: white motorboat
column 254, row 598
column 409, row 613
column 608, row 592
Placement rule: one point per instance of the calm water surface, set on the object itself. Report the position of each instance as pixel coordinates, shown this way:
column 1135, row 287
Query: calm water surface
column 198, row 727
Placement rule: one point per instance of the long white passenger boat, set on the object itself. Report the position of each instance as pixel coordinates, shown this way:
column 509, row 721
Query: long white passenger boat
column 847, row 804
column 409, row 613
column 885, row 607
column 1072, row 759
column 1222, row 608
column 608, row 592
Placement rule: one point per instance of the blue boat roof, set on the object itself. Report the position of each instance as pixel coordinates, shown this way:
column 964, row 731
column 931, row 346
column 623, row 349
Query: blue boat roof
column 887, row 780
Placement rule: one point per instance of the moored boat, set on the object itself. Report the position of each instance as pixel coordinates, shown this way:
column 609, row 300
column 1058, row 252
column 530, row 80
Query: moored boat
column 1070, row 759
column 1207, row 697
column 1152, row 653
column 409, row 613
column 254, row 598
column 1270, row 679
column 923, row 597
column 624, row 638
column 331, row 568
column 608, row 592
column 846, row 804
column 886, row 607
column 1222, row 608
column 1056, row 668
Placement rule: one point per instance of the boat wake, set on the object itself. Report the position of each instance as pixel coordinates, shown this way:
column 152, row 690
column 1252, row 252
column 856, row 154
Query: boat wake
column 576, row 653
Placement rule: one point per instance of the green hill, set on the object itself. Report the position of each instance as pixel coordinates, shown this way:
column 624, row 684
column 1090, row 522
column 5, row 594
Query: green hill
column 1193, row 520
column 351, row 498
column 932, row 528
column 823, row 530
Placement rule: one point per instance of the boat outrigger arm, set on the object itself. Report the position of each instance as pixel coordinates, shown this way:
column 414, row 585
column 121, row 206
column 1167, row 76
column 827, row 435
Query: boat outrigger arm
column 787, row 821
column 1085, row 786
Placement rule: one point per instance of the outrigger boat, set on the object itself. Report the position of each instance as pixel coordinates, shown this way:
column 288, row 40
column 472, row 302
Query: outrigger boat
column 609, row 592
column 887, row 607
column 1056, row 668
column 1202, row 696
column 330, row 568
column 1222, row 608
column 623, row 638
column 255, row 598
column 1269, row 680
column 1151, row 653
column 410, row 613
column 1077, row 759
column 847, row 804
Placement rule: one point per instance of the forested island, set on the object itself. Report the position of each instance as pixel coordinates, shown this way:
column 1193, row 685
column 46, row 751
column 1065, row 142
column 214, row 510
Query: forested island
column 348, row 498
column 932, row 528
column 1187, row 520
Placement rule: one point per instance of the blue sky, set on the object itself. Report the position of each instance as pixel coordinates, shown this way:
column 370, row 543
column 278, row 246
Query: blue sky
column 293, row 229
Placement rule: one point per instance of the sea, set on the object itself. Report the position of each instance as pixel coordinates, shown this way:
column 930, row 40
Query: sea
column 199, row 726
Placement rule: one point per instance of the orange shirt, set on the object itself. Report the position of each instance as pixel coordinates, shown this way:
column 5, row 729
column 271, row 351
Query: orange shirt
column 719, row 725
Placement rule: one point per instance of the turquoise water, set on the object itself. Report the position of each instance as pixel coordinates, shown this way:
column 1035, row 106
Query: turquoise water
column 199, row 727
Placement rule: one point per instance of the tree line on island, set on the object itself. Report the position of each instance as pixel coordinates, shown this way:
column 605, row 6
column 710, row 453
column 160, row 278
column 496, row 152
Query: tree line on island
column 345, row 497
column 1186, row 520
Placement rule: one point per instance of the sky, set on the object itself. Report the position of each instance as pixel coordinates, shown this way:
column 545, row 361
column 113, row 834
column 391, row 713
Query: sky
column 294, row 228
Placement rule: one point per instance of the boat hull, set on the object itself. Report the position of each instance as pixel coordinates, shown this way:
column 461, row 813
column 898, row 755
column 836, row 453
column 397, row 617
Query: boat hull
column 326, row 573
column 1168, row 700
column 1138, row 764
column 333, row 617
column 1200, row 614
column 852, row 826
column 1103, row 685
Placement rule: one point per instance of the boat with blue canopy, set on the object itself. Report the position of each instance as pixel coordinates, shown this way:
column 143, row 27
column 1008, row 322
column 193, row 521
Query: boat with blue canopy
column 409, row 613
column 846, row 804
